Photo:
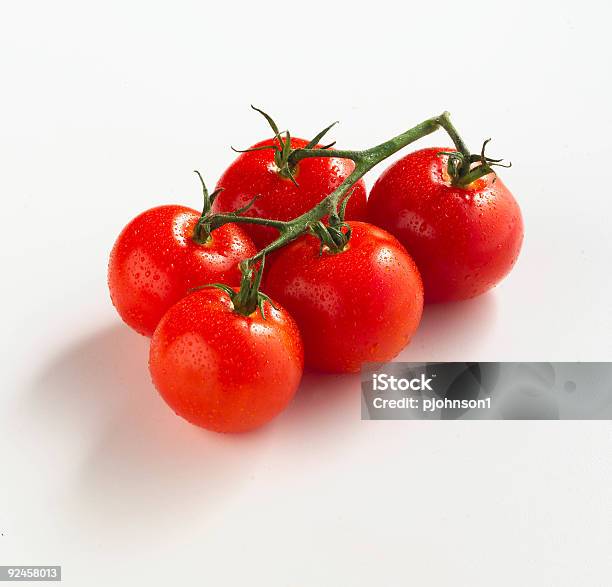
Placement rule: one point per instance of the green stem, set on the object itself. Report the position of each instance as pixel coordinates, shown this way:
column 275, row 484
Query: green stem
column 472, row 175
column 364, row 161
column 447, row 125
column 300, row 154
column 249, row 296
column 219, row 219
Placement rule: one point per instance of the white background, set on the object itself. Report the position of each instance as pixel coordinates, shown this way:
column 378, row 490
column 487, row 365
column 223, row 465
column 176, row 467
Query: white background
column 105, row 110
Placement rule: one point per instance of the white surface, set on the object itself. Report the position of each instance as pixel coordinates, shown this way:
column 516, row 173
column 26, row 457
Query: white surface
column 106, row 109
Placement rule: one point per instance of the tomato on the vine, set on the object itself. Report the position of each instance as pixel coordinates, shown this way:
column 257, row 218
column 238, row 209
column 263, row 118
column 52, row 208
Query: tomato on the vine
column 222, row 370
column 155, row 262
column 254, row 175
column 361, row 304
column 464, row 239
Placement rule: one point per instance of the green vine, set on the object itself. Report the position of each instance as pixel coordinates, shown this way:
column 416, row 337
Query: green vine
column 463, row 168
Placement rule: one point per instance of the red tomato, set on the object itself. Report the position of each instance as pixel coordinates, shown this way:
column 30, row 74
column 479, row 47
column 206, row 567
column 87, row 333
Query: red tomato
column 155, row 262
column 362, row 304
column 464, row 239
column 221, row 370
column 254, row 173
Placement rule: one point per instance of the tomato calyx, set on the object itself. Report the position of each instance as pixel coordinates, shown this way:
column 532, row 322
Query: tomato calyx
column 248, row 298
column 202, row 230
column 335, row 235
column 465, row 168
column 282, row 148
column 208, row 220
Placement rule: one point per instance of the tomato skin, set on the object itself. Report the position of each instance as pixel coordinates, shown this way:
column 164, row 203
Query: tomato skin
column 155, row 262
column 223, row 371
column 464, row 240
column 254, row 173
column 360, row 305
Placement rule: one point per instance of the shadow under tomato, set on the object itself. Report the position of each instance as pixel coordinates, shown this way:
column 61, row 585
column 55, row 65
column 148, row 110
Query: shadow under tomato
column 324, row 399
column 451, row 331
column 321, row 422
column 141, row 462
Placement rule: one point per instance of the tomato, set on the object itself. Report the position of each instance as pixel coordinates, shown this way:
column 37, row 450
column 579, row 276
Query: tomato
column 221, row 370
column 362, row 304
column 155, row 262
column 255, row 174
column 464, row 239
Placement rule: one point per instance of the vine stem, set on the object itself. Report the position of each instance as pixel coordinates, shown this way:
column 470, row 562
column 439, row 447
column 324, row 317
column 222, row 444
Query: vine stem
column 364, row 161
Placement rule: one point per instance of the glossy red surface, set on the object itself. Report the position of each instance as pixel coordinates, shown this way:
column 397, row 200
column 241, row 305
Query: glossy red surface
column 221, row 370
column 155, row 262
column 360, row 305
column 464, row 240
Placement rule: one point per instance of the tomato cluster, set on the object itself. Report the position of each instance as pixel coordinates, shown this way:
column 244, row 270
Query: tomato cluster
column 346, row 290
